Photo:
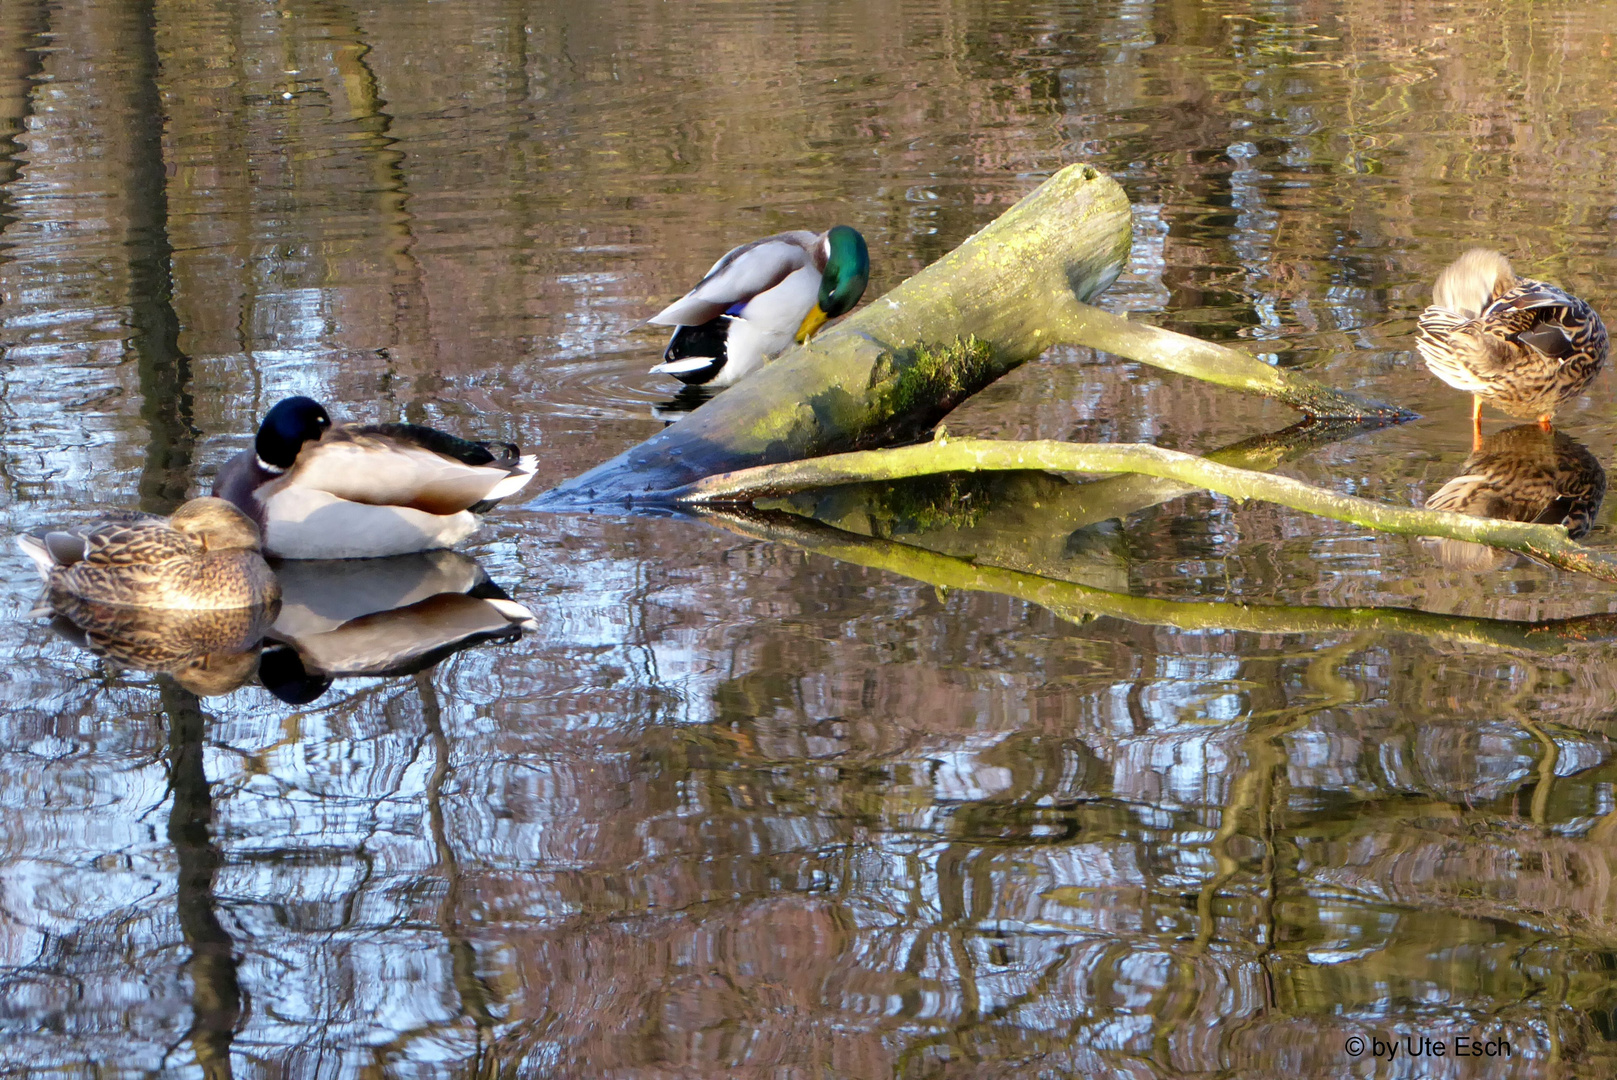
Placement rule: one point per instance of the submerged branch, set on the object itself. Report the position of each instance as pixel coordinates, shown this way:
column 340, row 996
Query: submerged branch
column 1546, row 543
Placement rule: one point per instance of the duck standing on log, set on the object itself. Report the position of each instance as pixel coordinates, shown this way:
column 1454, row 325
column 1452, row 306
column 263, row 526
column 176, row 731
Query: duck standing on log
column 1525, row 346
column 758, row 299
column 320, row 490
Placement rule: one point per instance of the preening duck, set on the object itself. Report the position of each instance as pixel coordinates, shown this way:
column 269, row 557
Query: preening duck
column 1525, row 346
column 203, row 557
column 758, row 299
column 320, row 490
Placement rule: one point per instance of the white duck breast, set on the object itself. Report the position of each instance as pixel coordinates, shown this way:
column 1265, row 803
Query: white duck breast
column 307, row 523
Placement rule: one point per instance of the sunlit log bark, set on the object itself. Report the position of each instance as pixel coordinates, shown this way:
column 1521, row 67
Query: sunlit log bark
column 1546, row 543
column 895, row 367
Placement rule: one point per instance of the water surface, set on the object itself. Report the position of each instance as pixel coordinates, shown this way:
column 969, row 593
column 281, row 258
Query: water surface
column 755, row 799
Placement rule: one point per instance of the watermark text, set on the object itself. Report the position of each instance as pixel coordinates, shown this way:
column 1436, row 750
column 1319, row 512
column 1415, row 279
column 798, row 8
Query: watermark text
column 1392, row 1047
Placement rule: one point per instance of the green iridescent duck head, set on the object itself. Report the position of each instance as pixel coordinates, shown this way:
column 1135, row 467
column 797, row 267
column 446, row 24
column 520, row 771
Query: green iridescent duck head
column 842, row 278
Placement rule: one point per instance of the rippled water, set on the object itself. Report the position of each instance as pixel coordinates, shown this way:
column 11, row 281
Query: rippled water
column 933, row 797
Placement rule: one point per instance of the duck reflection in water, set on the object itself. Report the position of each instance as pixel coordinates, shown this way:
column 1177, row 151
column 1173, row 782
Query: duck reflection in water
column 1523, row 473
column 207, row 652
column 688, row 400
column 380, row 617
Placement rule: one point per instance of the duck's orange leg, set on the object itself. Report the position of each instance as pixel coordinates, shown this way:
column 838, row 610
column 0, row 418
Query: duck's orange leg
column 1476, row 423
column 1544, row 423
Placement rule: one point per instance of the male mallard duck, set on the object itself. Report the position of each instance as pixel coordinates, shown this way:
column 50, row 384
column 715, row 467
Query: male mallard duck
column 1526, row 346
column 1521, row 474
column 203, row 557
column 758, row 299
column 324, row 491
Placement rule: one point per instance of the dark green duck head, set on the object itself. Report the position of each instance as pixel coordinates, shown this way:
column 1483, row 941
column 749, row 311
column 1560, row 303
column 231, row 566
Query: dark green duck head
column 286, row 427
column 842, row 279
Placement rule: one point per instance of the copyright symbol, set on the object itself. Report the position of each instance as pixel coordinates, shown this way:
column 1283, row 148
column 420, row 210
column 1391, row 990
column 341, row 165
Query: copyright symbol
column 1355, row 1045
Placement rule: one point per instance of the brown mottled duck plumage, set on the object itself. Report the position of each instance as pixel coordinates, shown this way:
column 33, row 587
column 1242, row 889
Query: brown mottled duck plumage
column 204, row 557
column 1523, row 473
column 1526, row 347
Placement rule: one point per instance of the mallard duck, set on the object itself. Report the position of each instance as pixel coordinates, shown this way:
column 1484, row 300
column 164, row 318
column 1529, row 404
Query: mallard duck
column 1521, row 474
column 1525, row 346
column 344, row 491
column 381, row 617
column 203, row 557
column 758, row 299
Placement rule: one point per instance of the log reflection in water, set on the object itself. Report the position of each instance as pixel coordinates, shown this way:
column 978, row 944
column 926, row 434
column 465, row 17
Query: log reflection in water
column 1080, row 603
column 1036, row 521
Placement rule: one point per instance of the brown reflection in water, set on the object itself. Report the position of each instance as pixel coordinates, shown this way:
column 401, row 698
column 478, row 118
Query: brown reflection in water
column 1522, row 473
column 21, row 60
column 165, row 371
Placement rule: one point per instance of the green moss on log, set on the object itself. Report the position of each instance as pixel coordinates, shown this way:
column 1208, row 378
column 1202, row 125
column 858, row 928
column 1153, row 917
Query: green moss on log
column 937, row 376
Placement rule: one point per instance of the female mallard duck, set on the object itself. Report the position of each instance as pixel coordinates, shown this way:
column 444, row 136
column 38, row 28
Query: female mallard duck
column 203, row 557
column 1521, row 474
column 324, row 491
column 1526, row 346
column 758, row 299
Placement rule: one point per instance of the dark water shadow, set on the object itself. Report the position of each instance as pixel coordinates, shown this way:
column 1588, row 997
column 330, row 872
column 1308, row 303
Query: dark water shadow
column 165, row 371
column 217, row 999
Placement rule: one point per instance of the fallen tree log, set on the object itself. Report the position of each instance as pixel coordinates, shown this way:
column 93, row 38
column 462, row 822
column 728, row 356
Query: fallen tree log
column 1546, row 543
column 891, row 370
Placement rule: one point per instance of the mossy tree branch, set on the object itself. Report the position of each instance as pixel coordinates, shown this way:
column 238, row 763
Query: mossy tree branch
column 1546, row 543
column 1077, row 323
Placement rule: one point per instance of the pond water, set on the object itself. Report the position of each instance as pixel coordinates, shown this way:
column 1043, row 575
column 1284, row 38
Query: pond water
column 1203, row 788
